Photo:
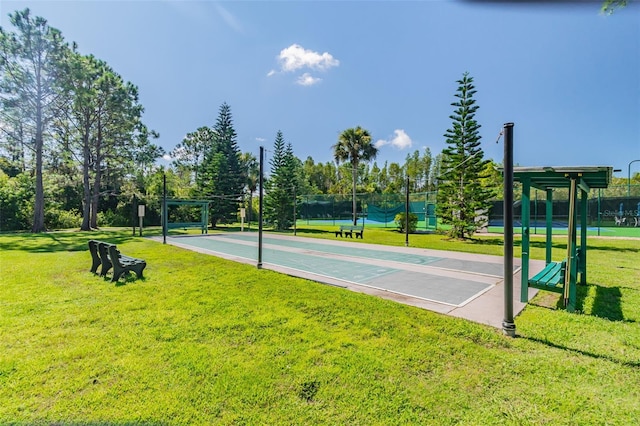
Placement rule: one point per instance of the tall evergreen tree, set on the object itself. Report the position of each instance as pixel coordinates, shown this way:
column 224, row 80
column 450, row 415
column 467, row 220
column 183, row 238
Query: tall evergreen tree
column 221, row 178
column 283, row 178
column 462, row 200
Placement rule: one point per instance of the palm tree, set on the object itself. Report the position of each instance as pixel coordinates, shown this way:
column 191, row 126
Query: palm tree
column 251, row 172
column 354, row 145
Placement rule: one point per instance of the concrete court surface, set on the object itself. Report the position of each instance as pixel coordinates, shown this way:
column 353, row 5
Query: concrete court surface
column 464, row 285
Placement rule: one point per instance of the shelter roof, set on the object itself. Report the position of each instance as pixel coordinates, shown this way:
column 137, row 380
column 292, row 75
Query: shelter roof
column 550, row 177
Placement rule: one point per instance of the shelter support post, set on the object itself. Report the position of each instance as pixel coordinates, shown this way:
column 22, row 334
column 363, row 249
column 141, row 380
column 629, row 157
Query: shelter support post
column 570, row 272
column 549, row 225
column 524, row 216
column 584, row 202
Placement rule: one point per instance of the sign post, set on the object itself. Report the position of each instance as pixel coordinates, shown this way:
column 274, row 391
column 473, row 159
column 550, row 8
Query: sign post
column 141, row 216
column 242, row 215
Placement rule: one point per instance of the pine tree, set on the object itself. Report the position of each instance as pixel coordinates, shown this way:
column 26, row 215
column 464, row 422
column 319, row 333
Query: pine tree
column 30, row 70
column 462, row 200
column 220, row 178
column 283, row 178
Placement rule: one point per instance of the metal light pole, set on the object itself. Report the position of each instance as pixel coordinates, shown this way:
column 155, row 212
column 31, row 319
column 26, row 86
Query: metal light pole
column 508, row 324
column 165, row 211
column 629, row 178
column 295, row 217
column 406, row 216
column 259, row 265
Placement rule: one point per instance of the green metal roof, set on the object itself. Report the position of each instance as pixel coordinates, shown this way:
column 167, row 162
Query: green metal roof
column 560, row 177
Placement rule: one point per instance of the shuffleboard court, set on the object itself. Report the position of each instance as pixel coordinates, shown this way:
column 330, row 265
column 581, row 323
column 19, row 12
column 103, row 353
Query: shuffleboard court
column 436, row 280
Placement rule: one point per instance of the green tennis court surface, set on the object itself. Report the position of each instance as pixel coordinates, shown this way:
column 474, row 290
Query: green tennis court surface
column 448, row 278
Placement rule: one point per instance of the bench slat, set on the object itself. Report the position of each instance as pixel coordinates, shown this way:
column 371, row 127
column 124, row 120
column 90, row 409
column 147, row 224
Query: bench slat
column 549, row 277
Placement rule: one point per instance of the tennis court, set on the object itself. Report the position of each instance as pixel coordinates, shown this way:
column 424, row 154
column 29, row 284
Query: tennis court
column 460, row 284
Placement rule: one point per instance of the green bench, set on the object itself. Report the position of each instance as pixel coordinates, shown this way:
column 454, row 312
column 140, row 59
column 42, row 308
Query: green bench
column 550, row 277
column 349, row 230
column 107, row 256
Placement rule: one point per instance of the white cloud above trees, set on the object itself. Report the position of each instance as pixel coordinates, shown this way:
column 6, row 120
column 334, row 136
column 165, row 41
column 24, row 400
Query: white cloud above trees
column 296, row 58
column 400, row 140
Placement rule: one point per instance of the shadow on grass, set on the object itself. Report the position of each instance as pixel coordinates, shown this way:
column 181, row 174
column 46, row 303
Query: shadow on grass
column 607, row 302
column 516, row 243
column 129, row 278
column 48, row 242
column 583, row 352
column 302, row 231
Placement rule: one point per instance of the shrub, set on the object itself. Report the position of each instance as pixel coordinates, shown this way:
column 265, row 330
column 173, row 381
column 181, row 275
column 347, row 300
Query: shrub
column 400, row 222
column 62, row 219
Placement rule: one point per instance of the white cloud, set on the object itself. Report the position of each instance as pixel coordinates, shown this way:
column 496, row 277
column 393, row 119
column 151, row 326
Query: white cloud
column 296, row 57
column 400, row 140
column 307, row 79
column 261, row 139
column 380, row 143
column 166, row 157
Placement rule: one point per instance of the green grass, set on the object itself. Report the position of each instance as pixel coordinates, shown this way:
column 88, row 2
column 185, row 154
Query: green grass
column 201, row 340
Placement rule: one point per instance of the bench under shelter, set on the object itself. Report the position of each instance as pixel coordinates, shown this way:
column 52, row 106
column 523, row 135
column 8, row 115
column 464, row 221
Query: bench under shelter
column 560, row 277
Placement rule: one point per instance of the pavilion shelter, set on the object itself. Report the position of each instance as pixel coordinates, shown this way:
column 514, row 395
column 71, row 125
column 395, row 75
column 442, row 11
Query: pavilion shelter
column 560, row 277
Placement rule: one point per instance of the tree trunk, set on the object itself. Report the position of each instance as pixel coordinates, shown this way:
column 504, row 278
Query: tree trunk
column 86, row 186
column 38, row 208
column 95, row 196
column 97, row 179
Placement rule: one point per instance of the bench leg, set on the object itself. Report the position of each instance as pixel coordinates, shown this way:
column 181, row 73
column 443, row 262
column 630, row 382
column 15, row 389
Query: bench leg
column 358, row 235
column 137, row 268
column 94, row 266
column 117, row 273
column 338, row 233
column 105, row 268
column 348, row 234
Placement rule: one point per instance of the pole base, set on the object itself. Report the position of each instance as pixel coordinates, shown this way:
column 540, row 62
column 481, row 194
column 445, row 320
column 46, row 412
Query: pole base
column 259, row 265
column 509, row 328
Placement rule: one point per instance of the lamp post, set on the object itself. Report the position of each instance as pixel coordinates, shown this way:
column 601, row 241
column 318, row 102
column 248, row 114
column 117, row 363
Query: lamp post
column 629, row 178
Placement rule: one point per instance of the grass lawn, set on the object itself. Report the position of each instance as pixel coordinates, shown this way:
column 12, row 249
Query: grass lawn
column 202, row 340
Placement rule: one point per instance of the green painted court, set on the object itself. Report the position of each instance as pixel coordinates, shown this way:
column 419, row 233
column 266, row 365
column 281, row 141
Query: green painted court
column 461, row 284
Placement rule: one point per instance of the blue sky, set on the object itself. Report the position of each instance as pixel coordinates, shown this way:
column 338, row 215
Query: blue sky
column 567, row 76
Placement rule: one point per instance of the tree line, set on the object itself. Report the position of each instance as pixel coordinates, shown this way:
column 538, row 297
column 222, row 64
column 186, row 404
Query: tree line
column 75, row 152
column 71, row 129
column 74, row 148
